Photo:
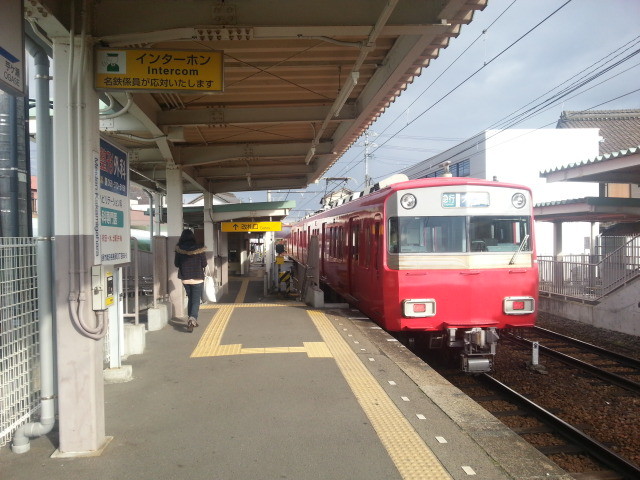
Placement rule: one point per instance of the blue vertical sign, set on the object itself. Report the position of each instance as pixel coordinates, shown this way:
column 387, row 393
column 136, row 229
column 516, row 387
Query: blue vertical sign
column 12, row 47
column 111, row 205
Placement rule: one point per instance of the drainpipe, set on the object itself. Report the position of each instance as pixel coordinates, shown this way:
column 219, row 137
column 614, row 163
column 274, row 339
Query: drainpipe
column 153, row 250
column 44, row 254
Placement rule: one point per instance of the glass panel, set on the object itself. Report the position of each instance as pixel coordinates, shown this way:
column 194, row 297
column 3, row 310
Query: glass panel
column 427, row 234
column 499, row 234
column 449, row 234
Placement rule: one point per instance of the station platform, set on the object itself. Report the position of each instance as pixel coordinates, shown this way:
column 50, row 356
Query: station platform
column 269, row 388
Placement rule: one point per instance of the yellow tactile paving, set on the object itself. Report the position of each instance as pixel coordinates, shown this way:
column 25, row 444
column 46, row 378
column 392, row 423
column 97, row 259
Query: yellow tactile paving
column 210, row 340
column 243, row 291
column 413, row 459
column 210, row 346
column 212, row 306
column 317, row 349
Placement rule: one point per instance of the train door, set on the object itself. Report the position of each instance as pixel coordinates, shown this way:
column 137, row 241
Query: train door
column 353, row 255
column 370, row 261
column 323, row 245
column 377, row 245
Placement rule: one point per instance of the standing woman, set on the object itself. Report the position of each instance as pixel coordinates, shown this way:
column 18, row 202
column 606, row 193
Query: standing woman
column 191, row 262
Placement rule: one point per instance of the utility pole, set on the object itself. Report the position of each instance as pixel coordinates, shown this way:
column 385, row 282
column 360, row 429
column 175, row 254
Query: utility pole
column 368, row 144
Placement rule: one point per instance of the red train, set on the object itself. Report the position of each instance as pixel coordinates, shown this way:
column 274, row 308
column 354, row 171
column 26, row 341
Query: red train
column 452, row 258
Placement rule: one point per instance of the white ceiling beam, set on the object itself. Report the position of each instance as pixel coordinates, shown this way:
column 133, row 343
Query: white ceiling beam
column 258, row 185
column 220, row 172
column 145, row 109
column 229, row 116
column 124, row 123
column 218, row 153
column 224, row 216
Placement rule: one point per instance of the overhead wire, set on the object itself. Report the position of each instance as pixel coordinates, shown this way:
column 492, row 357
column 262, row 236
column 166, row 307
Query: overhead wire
column 485, row 65
column 578, row 81
column 355, row 161
column 514, row 119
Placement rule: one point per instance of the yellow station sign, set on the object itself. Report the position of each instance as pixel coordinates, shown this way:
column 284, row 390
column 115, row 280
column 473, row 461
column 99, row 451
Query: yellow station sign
column 251, row 226
column 150, row 70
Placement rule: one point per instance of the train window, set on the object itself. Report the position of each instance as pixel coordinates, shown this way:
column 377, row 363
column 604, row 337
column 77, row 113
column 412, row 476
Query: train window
column 449, row 234
column 499, row 233
column 427, row 234
column 355, row 240
column 366, row 251
column 376, row 244
column 332, row 242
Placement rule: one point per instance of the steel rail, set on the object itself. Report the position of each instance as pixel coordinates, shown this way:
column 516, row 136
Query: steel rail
column 628, row 361
column 608, row 457
column 613, row 378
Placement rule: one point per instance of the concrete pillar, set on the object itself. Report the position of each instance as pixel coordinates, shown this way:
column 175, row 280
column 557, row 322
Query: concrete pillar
column 157, row 217
column 223, row 251
column 79, row 356
column 269, row 256
column 557, row 239
column 558, row 278
column 175, row 225
column 209, row 237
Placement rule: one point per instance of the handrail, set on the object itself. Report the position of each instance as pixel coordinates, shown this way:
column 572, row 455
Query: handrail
column 591, row 280
column 632, row 239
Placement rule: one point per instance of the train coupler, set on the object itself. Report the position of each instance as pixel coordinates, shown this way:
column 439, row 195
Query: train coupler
column 476, row 363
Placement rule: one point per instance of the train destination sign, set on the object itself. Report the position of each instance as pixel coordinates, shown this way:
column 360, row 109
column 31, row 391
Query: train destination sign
column 150, row 70
column 251, row 226
column 465, row 199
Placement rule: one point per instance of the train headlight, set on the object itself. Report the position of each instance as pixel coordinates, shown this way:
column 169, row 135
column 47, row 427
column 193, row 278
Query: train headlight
column 518, row 305
column 518, row 200
column 422, row 307
column 408, row 201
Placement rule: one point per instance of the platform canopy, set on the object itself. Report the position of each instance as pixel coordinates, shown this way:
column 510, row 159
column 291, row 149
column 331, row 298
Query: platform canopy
column 589, row 209
column 302, row 80
column 617, row 167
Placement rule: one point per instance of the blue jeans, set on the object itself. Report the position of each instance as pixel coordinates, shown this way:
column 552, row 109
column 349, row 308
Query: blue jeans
column 194, row 294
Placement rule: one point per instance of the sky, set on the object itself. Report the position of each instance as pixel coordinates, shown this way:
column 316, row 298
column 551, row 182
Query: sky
column 514, row 56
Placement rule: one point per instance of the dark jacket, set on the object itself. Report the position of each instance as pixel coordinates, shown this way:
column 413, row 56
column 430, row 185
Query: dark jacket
column 191, row 261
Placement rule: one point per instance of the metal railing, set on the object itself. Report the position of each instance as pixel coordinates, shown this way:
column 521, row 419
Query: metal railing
column 19, row 343
column 615, row 262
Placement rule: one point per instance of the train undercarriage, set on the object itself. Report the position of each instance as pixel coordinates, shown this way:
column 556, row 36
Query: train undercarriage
column 474, row 348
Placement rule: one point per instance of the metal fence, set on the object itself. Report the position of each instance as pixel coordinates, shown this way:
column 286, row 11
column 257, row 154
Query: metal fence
column 615, row 262
column 19, row 344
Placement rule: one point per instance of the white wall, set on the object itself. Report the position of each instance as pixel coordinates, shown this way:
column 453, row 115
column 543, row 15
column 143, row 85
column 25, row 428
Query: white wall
column 518, row 156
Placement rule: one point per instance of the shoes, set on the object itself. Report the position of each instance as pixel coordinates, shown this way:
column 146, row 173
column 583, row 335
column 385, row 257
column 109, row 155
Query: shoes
column 191, row 323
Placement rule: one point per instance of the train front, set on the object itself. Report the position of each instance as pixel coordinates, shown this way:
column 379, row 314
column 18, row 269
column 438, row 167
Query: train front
column 460, row 264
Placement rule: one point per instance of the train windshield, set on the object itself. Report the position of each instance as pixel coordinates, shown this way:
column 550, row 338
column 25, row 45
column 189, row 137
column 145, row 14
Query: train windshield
column 459, row 234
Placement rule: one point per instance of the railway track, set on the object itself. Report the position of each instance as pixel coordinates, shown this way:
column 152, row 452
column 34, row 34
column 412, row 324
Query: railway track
column 609, row 366
column 582, row 456
column 573, row 441
column 587, row 425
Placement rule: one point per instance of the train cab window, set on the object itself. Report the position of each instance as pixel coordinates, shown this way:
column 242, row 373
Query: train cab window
column 427, row 234
column 499, row 233
column 459, row 234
